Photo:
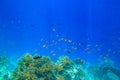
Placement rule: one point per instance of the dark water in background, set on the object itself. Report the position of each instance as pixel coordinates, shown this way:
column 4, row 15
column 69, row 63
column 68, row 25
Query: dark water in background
column 28, row 26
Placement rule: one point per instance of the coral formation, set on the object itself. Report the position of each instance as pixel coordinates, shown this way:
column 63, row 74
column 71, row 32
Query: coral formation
column 3, row 60
column 105, row 71
column 34, row 68
column 38, row 67
column 4, row 67
column 42, row 68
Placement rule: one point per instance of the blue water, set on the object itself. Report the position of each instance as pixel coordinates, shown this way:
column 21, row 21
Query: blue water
column 26, row 26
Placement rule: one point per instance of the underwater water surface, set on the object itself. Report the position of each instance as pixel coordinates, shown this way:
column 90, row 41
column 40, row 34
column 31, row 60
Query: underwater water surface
column 59, row 40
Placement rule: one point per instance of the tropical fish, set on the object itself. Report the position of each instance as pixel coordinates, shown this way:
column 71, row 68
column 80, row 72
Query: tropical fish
column 58, row 23
column 37, row 57
column 68, row 51
column 31, row 25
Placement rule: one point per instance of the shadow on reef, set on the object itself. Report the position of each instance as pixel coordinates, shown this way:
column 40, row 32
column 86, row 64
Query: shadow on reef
column 42, row 68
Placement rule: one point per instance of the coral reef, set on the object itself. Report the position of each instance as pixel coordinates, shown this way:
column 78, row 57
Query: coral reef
column 70, row 70
column 42, row 68
column 4, row 68
column 3, row 60
column 34, row 68
column 38, row 67
column 105, row 71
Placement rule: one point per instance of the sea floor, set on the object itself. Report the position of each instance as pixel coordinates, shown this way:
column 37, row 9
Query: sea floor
column 35, row 67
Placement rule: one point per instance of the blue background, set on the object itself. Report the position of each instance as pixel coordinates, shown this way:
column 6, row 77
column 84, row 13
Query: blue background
column 23, row 23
